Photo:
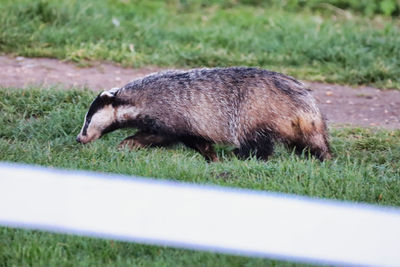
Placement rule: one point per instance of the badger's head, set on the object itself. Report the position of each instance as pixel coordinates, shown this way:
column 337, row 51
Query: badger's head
column 101, row 117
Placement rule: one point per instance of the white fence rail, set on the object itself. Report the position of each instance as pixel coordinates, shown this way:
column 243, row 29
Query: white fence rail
column 184, row 215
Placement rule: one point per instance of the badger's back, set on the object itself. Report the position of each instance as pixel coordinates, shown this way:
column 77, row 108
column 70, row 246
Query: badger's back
column 227, row 105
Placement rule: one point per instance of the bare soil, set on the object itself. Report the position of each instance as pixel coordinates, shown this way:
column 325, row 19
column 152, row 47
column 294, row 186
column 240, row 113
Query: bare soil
column 342, row 105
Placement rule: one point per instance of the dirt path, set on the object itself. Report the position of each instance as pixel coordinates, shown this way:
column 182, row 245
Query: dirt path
column 363, row 106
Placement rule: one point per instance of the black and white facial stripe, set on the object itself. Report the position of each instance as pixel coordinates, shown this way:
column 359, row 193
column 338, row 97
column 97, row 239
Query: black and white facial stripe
column 99, row 102
column 100, row 117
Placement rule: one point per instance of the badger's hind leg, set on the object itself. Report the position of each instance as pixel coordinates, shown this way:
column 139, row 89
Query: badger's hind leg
column 318, row 149
column 145, row 139
column 311, row 137
column 202, row 146
column 261, row 147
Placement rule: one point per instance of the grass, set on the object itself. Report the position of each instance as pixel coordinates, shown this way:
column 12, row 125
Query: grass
column 33, row 248
column 324, row 46
column 39, row 127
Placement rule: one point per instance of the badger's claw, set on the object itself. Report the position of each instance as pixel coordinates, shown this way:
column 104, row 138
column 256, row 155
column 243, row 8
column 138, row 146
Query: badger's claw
column 214, row 158
column 130, row 143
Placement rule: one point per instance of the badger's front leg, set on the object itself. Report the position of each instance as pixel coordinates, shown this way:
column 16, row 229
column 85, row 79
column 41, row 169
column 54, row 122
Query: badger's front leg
column 144, row 139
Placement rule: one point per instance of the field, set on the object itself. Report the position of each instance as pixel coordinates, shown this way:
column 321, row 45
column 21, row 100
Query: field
column 328, row 44
column 338, row 41
column 40, row 128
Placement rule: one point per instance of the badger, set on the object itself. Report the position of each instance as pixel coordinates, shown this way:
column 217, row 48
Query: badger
column 249, row 108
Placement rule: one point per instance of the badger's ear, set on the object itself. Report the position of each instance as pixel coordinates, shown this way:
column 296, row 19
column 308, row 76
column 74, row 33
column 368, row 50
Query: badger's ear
column 110, row 93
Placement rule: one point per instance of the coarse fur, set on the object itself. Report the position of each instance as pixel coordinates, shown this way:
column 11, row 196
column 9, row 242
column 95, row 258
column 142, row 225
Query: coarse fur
column 249, row 108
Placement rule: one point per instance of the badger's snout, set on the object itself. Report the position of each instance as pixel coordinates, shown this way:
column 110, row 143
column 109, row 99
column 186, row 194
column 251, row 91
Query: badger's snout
column 82, row 139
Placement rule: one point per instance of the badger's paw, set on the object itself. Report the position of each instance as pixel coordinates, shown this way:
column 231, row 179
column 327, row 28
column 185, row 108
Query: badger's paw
column 130, row 143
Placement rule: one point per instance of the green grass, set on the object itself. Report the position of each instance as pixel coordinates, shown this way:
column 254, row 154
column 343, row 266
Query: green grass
column 320, row 45
column 33, row 248
column 39, row 127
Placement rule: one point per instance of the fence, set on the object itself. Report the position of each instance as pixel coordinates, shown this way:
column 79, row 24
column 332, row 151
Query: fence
column 191, row 216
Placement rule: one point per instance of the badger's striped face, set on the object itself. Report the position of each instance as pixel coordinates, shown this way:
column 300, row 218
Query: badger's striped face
column 100, row 119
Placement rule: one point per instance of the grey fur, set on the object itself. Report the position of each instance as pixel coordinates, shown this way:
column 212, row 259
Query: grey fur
column 245, row 107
